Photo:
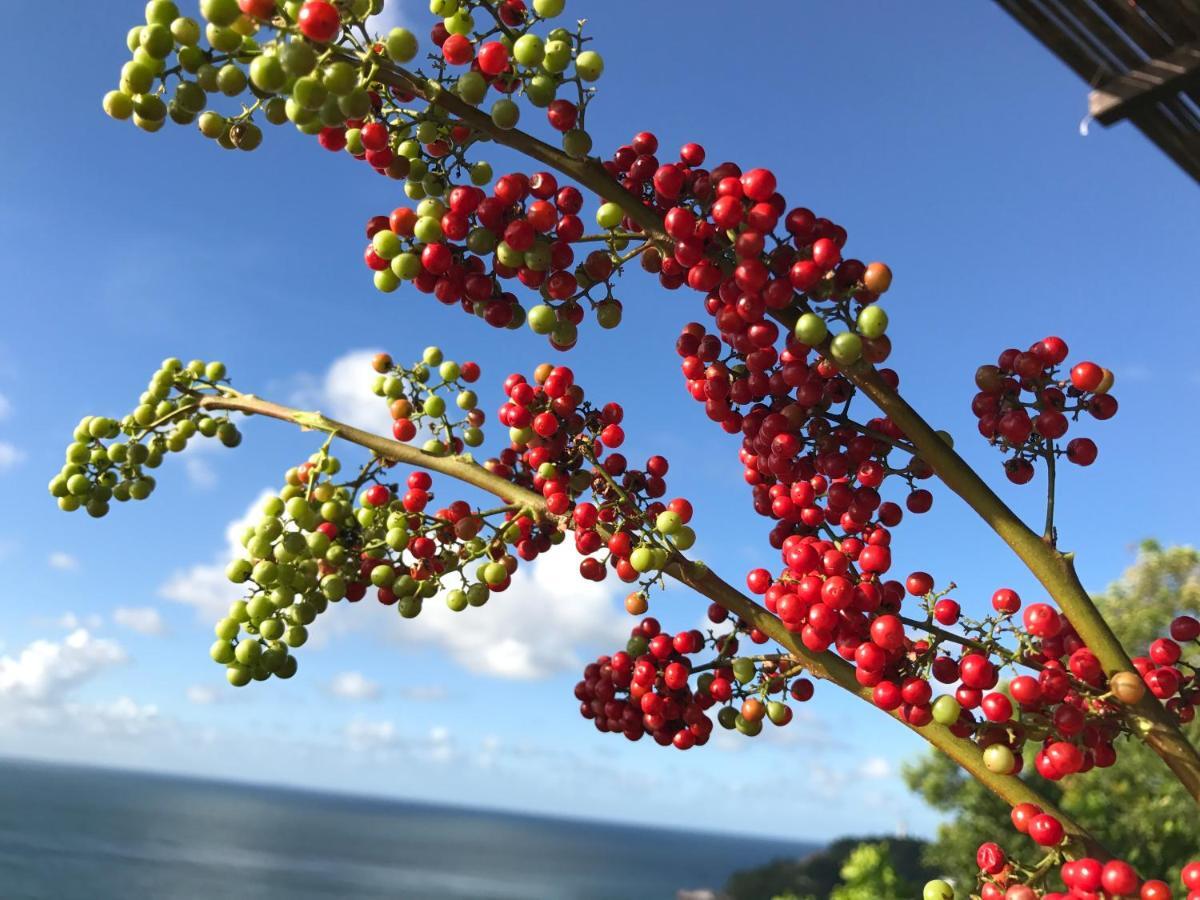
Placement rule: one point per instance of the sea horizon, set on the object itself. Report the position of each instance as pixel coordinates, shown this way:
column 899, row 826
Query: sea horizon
column 76, row 830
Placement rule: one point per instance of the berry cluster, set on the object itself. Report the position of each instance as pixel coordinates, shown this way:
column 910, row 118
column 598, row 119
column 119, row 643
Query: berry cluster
column 318, row 73
column 415, row 403
column 165, row 420
column 1024, row 405
column 647, row 687
column 564, row 448
column 1002, row 877
column 465, row 249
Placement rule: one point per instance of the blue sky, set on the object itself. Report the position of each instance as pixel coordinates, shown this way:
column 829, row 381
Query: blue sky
column 946, row 141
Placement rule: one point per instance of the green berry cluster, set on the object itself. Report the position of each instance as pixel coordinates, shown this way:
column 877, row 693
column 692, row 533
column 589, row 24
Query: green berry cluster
column 432, row 396
column 108, row 458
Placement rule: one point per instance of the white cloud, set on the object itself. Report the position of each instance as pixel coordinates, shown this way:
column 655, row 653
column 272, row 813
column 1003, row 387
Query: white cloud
column 68, row 621
column 533, row 629
column 353, row 686
column 9, row 456
column 200, row 473
column 45, row 670
column 122, row 717
column 201, row 695
column 381, row 738
column 370, row 734
column 142, row 619
column 875, row 767
column 204, row 586
column 344, row 392
column 64, row 562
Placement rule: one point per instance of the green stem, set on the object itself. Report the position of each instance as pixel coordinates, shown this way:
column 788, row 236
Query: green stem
column 1148, row 718
column 825, row 665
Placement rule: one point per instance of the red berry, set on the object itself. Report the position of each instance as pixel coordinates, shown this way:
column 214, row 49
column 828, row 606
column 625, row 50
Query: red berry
column 1185, row 628
column 458, row 50
column 318, row 21
column 1006, row 601
column 1081, row 451
column 1086, row 376
column 919, row 584
column 1045, row 830
column 1119, row 878
column 493, row 58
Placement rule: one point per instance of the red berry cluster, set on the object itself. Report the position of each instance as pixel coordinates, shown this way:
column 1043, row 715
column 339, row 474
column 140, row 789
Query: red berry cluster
column 645, row 689
column 1001, row 877
column 463, row 252
column 563, row 448
column 1024, row 405
column 1163, row 669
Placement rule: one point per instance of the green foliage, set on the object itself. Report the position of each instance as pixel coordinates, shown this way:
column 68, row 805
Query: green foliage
column 869, row 874
column 854, row 868
column 1155, row 829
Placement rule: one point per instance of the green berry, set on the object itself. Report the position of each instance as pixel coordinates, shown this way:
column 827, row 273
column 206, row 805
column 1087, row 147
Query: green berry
column 609, row 215
column 589, row 64
column 401, row 45
column 221, row 13
column 528, row 50
column 810, row 329
column 872, row 321
column 846, row 348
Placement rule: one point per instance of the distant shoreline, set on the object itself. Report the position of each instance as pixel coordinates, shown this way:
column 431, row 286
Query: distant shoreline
column 798, row 847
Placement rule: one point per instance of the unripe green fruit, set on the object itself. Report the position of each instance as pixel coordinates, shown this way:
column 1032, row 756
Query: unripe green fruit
column 456, row 600
column 387, row 244
column 161, row 12
column 810, row 329
column 556, row 56
column 937, row 890
column 221, row 13
column 136, row 77
column 239, row 676
column 505, row 114
column 401, row 45
column 577, row 143
column 267, row 74
column 298, row 58
column 999, row 759
column 589, row 64
column 548, row 9
column 157, row 41
column 528, row 50
column 541, row 90
column 221, row 652
column 248, row 651
column 668, row 522
column 748, row 728
column 642, row 559
column 118, row 105
column 684, row 538
column 472, row 87
column 744, row 670
column 609, row 215
column 872, row 321
column 946, row 710
column 846, row 348
column 186, row 31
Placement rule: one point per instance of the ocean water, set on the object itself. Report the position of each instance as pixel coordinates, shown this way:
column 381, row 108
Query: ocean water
column 92, row 834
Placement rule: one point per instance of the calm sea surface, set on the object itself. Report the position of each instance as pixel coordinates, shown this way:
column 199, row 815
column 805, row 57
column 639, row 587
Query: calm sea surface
column 68, row 833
